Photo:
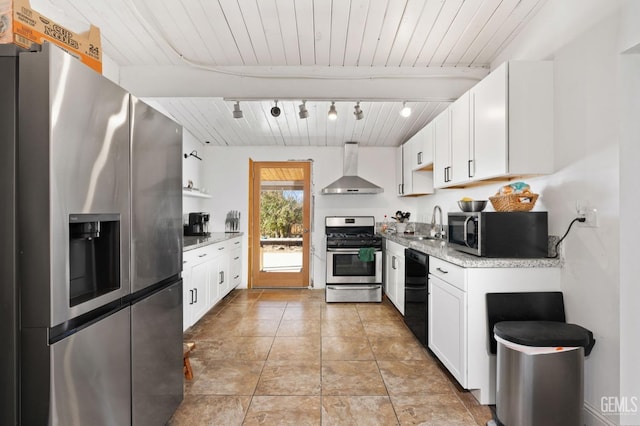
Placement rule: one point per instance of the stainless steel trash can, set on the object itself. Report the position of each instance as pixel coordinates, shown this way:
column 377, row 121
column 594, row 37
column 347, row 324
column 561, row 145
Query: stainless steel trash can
column 540, row 372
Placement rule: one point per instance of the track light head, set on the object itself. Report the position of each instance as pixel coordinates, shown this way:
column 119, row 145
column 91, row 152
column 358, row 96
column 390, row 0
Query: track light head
column 333, row 114
column 405, row 111
column 303, row 110
column 237, row 112
column 275, row 111
column 358, row 111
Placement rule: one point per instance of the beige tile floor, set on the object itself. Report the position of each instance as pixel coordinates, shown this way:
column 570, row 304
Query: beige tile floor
column 285, row 357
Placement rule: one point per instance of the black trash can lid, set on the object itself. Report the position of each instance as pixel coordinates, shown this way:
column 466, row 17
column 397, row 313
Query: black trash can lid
column 545, row 333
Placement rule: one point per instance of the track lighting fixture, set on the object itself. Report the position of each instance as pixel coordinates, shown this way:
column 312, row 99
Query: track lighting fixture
column 333, row 114
column 275, row 111
column 358, row 111
column 237, row 112
column 405, row 111
column 303, row 110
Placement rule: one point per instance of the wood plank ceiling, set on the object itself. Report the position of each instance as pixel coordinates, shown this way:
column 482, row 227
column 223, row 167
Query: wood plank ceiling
column 378, row 42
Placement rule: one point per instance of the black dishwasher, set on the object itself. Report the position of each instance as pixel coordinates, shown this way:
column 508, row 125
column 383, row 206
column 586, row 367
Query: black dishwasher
column 416, row 293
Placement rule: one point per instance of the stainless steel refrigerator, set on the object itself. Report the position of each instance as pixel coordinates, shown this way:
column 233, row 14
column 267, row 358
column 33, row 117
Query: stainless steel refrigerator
column 8, row 239
column 93, row 300
column 156, row 265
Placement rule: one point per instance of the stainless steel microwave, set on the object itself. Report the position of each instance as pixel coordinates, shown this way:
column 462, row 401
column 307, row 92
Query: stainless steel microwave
column 499, row 234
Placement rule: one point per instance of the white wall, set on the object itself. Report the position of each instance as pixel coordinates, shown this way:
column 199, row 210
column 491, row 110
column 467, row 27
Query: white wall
column 192, row 169
column 629, row 206
column 110, row 69
column 227, row 170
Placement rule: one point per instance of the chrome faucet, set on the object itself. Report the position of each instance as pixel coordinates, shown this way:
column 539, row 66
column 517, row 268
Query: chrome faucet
column 439, row 230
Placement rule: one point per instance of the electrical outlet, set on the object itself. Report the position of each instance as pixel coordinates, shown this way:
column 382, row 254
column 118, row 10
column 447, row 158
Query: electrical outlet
column 588, row 212
column 591, row 218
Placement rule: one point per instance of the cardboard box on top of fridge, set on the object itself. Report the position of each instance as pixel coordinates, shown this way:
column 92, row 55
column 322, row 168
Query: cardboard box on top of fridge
column 21, row 25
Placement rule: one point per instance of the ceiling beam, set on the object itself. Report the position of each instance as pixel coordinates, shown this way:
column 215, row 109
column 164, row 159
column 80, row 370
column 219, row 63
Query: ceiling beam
column 302, row 82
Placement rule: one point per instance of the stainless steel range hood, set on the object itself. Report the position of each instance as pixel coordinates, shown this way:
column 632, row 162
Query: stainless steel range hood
column 350, row 182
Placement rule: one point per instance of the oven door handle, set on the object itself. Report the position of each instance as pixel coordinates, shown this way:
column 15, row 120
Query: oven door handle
column 348, row 250
column 349, row 287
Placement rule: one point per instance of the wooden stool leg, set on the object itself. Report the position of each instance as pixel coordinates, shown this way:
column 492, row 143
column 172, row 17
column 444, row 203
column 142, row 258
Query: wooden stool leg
column 188, row 372
column 187, row 348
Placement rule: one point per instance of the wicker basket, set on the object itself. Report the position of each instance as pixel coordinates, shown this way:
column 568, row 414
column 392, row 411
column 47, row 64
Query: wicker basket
column 514, row 202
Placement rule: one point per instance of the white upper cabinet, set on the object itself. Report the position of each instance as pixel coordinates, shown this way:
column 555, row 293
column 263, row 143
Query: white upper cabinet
column 399, row 171
column 422, row 149
column 513, row 120
column 502, row 127
column 489, row 98
column 442, row 149
column 414, row 161
column 461, row 142
column 415, row 182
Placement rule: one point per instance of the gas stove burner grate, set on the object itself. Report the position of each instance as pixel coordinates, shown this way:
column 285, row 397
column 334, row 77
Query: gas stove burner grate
column 349, row 235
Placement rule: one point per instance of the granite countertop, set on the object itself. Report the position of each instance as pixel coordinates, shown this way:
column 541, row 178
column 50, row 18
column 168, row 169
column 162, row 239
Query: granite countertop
column 191, row 243
column 440, row 249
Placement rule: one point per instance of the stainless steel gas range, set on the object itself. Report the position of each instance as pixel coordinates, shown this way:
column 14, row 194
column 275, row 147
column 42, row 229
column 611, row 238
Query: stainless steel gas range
column 354, row 259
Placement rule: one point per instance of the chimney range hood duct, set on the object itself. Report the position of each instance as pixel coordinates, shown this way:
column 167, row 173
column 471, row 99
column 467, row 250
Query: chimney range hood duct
column 350, row 183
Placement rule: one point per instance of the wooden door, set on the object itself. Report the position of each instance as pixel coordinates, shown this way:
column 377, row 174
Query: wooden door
column 280, row 218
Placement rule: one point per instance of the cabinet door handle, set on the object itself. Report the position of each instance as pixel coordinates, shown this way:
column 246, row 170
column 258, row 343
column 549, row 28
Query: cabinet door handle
column 236, row 277
column 220, row 248
column 420, row 158
column 469, row 168
column 221, row 277
column 191, row 297
column 236, row 258
column 393, row 262
column 439, row 269
column 237, row 242
column 195, row 290
column 202, row 255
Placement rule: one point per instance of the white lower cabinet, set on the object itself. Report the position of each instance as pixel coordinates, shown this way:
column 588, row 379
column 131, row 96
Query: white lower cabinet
column 196, row 278
column 187, row 292
column 235, row 264
column 458, row 324
column 208, row 275
column 219, row 272
column 394, row 274
column 447, row 326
